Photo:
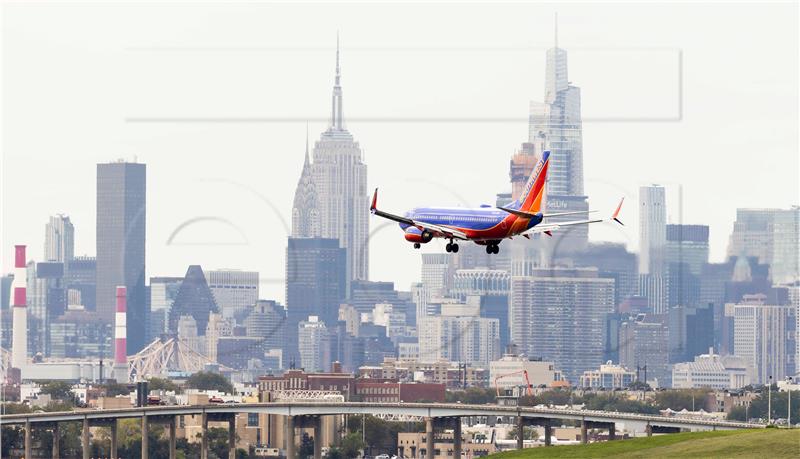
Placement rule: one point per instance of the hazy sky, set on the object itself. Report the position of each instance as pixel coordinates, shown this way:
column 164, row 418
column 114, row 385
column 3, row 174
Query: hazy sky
column 213, row 98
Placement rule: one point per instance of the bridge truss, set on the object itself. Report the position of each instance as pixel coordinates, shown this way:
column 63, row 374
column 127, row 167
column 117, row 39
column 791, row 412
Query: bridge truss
column 161, row 357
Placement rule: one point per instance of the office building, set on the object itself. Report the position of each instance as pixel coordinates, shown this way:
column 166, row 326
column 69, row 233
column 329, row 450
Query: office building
column 333, row 192
column 556, row 125
column 644, row 345
column 314, row 345
column 612, row 260
column 163, row 292
column 194, row 299
column 559, row 315
column 517, row 371
column 771, row 235
column 785, row 266
column 267, row 320
column 235, row 292
column 80, row 334
column 59, row 239
column 459, row 338
column 315, row 285
column 608, row 376
column 80, row 274
column 652, row 246
column 47, row 299
column 764, row 337
column 687, row 245
column 491, row 288
column 712, row 371
column 121, row 215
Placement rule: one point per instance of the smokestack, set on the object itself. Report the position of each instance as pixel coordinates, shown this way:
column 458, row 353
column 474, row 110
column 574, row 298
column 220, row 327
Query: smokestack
column 120, row 337
column 19, row 343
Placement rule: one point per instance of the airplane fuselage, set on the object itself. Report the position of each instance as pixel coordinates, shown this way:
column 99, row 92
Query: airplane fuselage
column 479, row 224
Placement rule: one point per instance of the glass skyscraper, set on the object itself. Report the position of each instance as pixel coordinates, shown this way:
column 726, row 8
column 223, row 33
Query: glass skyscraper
column 121, row 212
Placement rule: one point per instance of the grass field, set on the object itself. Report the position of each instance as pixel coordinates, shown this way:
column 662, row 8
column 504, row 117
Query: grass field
column 760, row 443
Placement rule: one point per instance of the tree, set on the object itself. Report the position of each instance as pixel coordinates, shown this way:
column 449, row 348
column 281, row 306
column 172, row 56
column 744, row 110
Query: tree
column 58, row 390
column 335, row 453
column 639, row 385
column 352, row 445
column 679, row 399
column 113, row 389
column 163, row 384
column 758, row 407
column 473, row 396
column 305, row 449
column 206, row 380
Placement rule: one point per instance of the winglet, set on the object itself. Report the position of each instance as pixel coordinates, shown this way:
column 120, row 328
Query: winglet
column 374, row 206
column 616, row 212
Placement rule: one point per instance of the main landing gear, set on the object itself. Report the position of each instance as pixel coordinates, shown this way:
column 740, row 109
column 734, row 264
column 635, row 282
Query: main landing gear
column 492, row 248
column 451, row 247
column 416, row 245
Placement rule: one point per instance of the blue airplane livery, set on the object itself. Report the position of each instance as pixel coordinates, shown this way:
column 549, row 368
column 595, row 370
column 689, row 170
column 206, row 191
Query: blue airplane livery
column 487, row 225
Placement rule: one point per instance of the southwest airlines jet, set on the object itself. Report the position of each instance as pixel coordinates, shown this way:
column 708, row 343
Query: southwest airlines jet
column 486, row 225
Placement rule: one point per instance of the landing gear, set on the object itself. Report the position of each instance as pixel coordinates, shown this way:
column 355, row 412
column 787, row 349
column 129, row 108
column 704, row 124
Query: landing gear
column 416, row 245
column 492, row 248
column 451, row 247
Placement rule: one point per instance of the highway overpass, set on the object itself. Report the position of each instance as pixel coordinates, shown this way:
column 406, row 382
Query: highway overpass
column 307, row 414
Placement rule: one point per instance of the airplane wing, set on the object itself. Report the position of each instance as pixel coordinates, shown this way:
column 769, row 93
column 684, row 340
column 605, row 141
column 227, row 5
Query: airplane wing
column 548, row 228
column 437, row 230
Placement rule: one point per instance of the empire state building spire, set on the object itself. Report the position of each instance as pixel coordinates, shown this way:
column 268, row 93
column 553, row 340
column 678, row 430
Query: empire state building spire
column 336, row 108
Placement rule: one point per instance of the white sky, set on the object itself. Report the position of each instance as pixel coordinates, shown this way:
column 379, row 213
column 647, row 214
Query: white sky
column 437, row 95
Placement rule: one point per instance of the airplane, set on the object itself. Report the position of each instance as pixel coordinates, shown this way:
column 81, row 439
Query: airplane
column 487, row 225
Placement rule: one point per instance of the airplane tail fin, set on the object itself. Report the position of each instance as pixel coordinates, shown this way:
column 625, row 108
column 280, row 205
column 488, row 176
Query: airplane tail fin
column 533, row 194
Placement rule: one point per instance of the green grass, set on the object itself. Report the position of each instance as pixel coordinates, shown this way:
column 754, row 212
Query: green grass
column 758, row 443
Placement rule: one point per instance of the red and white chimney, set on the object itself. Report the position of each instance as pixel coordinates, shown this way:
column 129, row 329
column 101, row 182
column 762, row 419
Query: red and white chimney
column 19, row 331
column 120, row 337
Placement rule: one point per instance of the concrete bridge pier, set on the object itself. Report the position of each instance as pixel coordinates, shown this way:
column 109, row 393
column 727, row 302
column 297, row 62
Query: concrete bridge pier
column 612, row 431
column 232, row 437
column 28, row 435
column 457, row 438
column 204, row 436
column 145, row 438
column 85, row 445
column 649, row 430
column 290, row 447
column 56, row 437
column 113, row 428
column 172, row 446
column 317, row 421
column 584, row 432
column 520, row 432
column 429, row 451
column 548, row 433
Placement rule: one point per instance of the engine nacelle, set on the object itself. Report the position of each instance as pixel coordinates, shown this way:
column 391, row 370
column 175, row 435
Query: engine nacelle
column 414, row 234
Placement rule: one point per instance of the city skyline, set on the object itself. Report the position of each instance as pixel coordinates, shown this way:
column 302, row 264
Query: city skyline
column 215, row 184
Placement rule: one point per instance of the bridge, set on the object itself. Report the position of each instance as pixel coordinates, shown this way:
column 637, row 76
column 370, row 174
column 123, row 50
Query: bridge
column 301, row 414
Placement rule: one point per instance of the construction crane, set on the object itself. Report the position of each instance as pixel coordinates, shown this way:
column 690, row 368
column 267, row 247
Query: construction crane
column 527, row 381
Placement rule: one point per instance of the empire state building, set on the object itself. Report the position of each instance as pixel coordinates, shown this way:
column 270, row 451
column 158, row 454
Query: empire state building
column 331, row 199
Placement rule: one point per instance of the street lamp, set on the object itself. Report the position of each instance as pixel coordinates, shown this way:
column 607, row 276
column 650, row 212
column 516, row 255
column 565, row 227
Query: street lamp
column 789, row 380
column 769, row 402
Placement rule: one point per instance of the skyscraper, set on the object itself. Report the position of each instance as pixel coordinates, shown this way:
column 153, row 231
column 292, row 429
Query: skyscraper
column 560, row 315
column 333, row 191
column 652, row 242
column 644, row 342
column 314, row 345
column 194, row 299
column 764, row 337
column 556, row 125
column 235, row 291
column 315, row 285
column 121, row 213
column 59, row 239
